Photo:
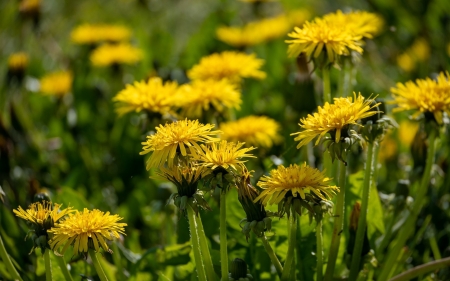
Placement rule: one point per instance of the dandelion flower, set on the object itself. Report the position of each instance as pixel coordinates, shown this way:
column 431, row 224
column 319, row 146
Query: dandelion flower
column 152, row 96
column 95, row 33
column 253, row 130
column 202, row 95
column 109, row 54
column 176, row 137
column 17, row 61
column 29, row 6
column 185, row 178
column 359, row 23
column 228, row 65
column 224, row 154
column 407, row 131
column 43, row 214
column 334, row 118
column 321, row 36
column 57, row 83
column 294, row 181
column 418, row 52
column 424, row 96
column 86, row 230
column 298, row 17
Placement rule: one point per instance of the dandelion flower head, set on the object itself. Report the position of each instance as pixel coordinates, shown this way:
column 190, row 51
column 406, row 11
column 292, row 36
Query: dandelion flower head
column 43, row 214
column 178, row 136
column 359, row 23
column 321, row 36
column 253, row 130
column 29, row 6
column 17, row 61
column 109, row 54
column 57, row 83
column 85, row 230
column 334, row 118
column 152, row 96
column 228, row 65
column 223, row 154
column 418, row 52
column 424, row 96
column 295, row 181
column 185, row 177
column 95, row 33
column 202, row 95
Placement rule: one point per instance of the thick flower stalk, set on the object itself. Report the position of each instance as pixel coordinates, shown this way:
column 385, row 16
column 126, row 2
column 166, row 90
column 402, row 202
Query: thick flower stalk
column 176, row 139
column 228, row 65
column 260, row 131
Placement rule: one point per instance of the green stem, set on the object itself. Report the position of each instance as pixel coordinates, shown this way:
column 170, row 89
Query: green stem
column 7, row 261
column 408, row 227
column 205, row 250
column 348, row 79
column 118, row 260
column 62, row 264
column 97, row 265
column 338, row 224
column 422, row 269
column 290, row 260
column 196, row 244
column 223, row 235
column 48, row 266
column 362, row 221
column 326, row 85
column 272, row 255
column 319, row 251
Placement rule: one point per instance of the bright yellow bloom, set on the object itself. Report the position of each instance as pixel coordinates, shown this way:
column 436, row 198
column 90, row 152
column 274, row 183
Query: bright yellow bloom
column 87, row 229
column 407, row 131
column 418, row 52
column 359, row 23
column 57, row 83
column 228, row 65
column 333, row 118
column 253, row 130
column 179, row 174
column 323, row 36
column 388, row 149
column 201, row 95
column 152, row 96
column 95, row 33
column 175, row 137
column 43, row 214
column 406, row 62
column 18, row 61
column 298, row 181
column 424, row 95
column 254, row 33
column 109, row 54
column 224, row 154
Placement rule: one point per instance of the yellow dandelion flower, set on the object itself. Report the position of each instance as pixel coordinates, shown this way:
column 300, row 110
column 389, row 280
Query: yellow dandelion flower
column 29, row 6
column 407, row 131
column 418, row 52
column 253, row 130
column 295, row 181
column 109, row 54
column 424, row 96
column 388, row 149
column 57, row 83
column 254, row 33
column 228, row 65
column 406, row 62
column 201, row 95
column 43, row 214
column 224, row 154
column 176, row 137
column 152, row 96
column 323, row 36
column 95, row 33
column 85, row 230
column 298, row 17
column 185, row 178
column 17, row 61
column 359, row 23
column 333, row 118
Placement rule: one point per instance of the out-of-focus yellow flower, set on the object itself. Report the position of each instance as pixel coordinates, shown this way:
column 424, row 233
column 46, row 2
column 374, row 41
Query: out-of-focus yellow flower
column 29, row 6
column 228, row 65
column 359, row 23
column 255, row 1
column 109, row 54
column 176, row 137
column 424, row 96
column 95, row 33
column 224, row 154
column 202, row 95
column 298, row 17
column 254, row 33
column 418, row 52
column 321, row 36
column 152, row 96
column 86, row 230
column 57, row 83
column 407, row 131
column 333, row 118
column 253, row 130
column 17, row 61
column 406, row 62
column 388, row 149
column 294, row 181
column 43, row 214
